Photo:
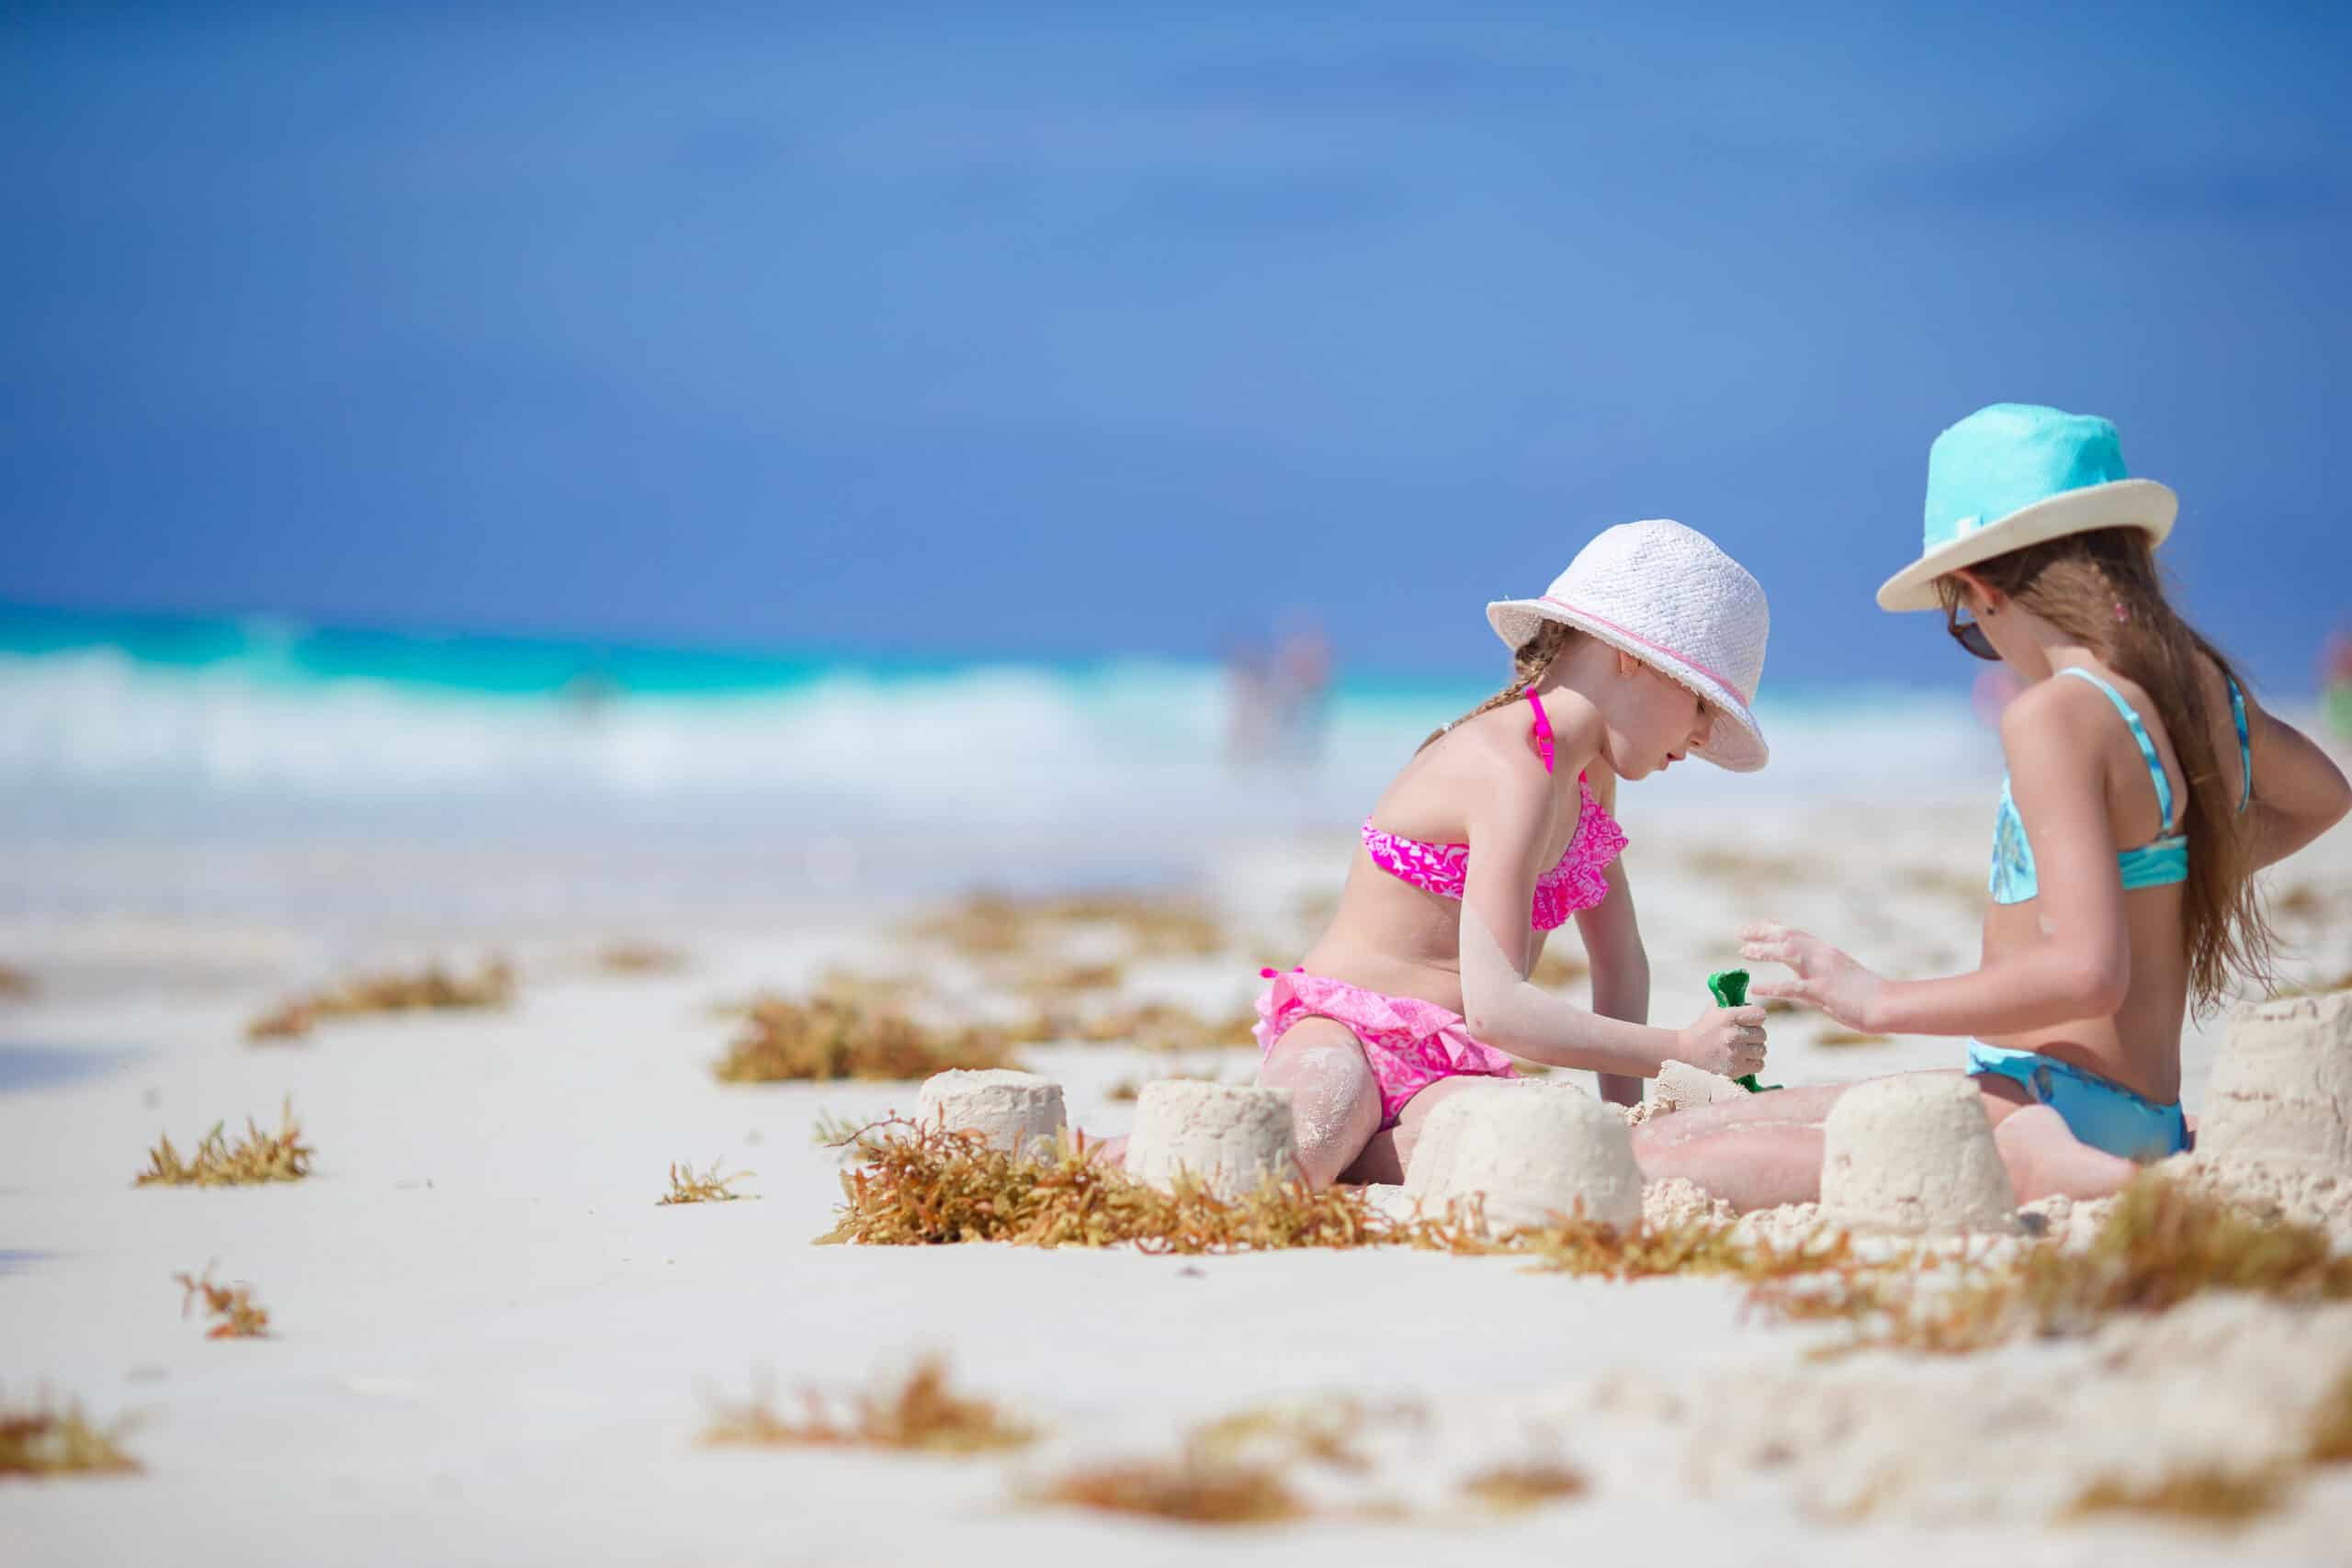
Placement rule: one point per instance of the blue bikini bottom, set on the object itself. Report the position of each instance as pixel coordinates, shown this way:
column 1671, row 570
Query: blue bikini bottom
column 2099, row 1112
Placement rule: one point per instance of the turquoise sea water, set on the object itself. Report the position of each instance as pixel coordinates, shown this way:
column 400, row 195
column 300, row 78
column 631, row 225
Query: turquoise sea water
column 257, row 765
column 185, row 720
column 277, row 651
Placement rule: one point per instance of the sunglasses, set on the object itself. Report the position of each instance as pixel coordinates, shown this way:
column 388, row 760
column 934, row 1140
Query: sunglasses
column 1969, row 635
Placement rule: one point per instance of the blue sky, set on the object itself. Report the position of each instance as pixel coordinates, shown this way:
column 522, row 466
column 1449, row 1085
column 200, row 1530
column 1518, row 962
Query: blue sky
column 1027, row 330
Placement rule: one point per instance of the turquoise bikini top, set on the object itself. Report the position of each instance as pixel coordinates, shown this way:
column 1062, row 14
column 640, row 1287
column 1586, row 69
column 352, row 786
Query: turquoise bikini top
column 2157, row 864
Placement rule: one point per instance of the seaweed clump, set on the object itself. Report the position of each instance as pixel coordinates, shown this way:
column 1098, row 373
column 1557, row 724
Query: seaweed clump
column 253, row 1159
column 2331, row 1427
column 640, row 958
column 992, row 925
column 918, row 1185
column 1839, row 1039
column 1320, row 1432
column 14, row 983
column 44, row 1439
column 1165, row 1026
column 1185, row 1489
column 1232, row 1471
column 2214, row 1495
column 919, row 1414
column 710, row 1187
column 1148, row 1026
column 845, row 1138
column 1513, row 1487
column 232, row 1307
column 1576, row 1246
column 923, row 1186
column 1047, row 981
column 2161, row 1244
column 827, row 1038
column 433, row 987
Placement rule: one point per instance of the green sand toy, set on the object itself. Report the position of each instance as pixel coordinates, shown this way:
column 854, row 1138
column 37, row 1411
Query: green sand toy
column 1729, row 987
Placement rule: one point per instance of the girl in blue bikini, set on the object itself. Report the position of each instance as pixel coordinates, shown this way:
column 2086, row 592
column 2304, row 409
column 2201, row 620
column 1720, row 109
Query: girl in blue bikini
column 2144, row 790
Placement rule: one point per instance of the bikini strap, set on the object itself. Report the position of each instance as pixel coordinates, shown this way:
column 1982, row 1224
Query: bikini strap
column 2147, row 747
column 2245, row 747
column 1542, row 731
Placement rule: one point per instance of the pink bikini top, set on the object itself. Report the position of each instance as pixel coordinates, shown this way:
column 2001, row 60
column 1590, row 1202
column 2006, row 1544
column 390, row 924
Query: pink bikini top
column 1578, row 882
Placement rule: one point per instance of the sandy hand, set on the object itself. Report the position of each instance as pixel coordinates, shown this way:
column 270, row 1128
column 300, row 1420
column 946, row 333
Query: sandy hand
column 1729, row 1041
column 1825, row 977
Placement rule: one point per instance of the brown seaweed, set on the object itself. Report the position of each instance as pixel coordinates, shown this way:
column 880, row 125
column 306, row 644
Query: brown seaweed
column 255, row 1158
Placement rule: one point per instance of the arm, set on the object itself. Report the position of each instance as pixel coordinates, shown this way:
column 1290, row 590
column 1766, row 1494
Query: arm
column 2080, row 966
column 1620, row 966
column 1621, row 972
column 2298, row 792
column 1504, row 1010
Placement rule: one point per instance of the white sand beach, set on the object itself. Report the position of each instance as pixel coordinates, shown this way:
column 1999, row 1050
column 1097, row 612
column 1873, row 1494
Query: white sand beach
column 591, row 596
column 488, row 1343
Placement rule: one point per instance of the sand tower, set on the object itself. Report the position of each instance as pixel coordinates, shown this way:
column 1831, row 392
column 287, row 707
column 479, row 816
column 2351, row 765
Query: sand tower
column 2281, row 1094
column 1231, row 1137
column 1014, row 1111
column 1914, row 1153
column 1529, row 1152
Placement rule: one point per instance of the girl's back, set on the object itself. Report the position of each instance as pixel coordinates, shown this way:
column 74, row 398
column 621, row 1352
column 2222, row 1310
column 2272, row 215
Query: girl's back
column 2137, row 1044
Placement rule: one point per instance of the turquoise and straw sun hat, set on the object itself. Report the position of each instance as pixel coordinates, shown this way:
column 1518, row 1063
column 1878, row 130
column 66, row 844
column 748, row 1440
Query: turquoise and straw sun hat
column 2018, row 474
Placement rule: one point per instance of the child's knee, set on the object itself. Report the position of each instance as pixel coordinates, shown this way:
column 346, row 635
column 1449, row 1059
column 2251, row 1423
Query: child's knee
column 1335, row 1099
column 2045, row 1159
column 2030, row 1128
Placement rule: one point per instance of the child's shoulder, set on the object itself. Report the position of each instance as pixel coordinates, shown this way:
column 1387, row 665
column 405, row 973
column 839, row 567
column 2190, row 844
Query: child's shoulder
column 1497, row 750
column 1480, row 765
column 2061, row 713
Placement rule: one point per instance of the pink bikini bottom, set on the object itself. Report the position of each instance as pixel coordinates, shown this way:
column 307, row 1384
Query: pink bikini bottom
column 1409, row 1043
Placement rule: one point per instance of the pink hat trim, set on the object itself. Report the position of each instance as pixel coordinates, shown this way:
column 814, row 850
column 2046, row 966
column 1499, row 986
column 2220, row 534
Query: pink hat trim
column 1652, row 647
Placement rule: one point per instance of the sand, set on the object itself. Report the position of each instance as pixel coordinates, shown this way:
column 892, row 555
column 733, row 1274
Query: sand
column 1912, row 1153
column 1518, row 1156
column 2281, row 1094
column 1229, row 1137
column 1677, row 1202
column 2322, row 1199
column 1680, row 1085
column 1014, row 1111
column 2013, row 1435
column 491, row 1344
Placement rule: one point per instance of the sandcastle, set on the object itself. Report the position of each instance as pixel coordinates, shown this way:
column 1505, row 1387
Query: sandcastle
column 1014, row 1111
column 1531, row 1154
column 1230, row 1137
column 2281, row 1094
column 2276, row 1135
column 1680, row 1087
column 1914, row 1153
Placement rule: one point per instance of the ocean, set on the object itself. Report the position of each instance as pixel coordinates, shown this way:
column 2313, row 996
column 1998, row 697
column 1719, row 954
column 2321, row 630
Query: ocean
column 179, row 731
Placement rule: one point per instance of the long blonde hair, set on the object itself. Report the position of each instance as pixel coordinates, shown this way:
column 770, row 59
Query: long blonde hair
column 1528, row 660
column 2105, row 589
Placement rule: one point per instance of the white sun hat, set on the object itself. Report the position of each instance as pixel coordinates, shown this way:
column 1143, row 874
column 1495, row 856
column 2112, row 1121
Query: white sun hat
column 1668, row 595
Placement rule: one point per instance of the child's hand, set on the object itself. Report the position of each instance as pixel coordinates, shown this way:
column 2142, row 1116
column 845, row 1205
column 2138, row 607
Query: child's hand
column 1825, row 978
column 1729, row 1041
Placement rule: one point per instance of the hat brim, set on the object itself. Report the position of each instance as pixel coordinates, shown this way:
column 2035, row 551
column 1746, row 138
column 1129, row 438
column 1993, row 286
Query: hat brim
column 2119, row 504
column 1736, row 741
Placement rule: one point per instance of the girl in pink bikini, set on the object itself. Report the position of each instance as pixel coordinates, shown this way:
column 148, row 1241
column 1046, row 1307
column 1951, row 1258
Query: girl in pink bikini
column 1647, row 650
